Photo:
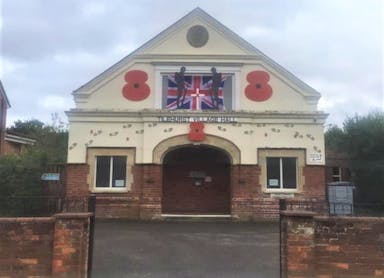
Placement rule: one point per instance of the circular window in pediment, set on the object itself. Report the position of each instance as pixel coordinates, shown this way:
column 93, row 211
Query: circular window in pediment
column 197, row 36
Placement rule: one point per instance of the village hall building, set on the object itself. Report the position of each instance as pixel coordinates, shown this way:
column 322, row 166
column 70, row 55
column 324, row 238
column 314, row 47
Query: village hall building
column 197, row 121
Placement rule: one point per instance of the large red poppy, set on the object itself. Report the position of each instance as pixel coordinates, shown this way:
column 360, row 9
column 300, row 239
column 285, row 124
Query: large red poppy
column 136, row 89
column 258, row 88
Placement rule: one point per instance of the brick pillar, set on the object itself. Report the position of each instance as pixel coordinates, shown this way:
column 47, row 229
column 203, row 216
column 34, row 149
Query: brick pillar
column 314, row 186
column 150, row 206
column 297, row 244
column 70, row 245
column 76, row 178
column 248, row 201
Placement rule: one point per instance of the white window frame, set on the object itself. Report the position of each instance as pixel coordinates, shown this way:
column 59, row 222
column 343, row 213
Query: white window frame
column 299, row 154
column 93, row 153
column 281, row 174
column 111, row 165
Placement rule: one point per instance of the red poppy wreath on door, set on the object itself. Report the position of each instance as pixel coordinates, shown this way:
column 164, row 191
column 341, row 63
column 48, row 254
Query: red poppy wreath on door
column 136, row 89
column 196, row 132
column 258, row 88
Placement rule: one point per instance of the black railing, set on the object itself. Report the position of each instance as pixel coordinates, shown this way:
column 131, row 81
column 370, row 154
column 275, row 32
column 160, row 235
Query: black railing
column 17, row 206
column 29, row 206
column 92, row 209
column 373, row 209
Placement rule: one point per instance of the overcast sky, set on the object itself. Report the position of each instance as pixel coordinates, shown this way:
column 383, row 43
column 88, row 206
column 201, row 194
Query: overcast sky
column 49, row 48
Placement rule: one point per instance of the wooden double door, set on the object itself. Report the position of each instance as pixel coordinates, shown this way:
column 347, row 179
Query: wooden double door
column 196, row 180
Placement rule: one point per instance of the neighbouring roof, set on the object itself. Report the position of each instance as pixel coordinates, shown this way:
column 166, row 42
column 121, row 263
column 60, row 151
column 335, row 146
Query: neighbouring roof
column 9, row 137
column 4, row 95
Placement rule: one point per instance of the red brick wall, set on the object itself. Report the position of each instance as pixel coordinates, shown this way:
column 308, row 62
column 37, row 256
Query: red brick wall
column 44, row 246
column 126, row 205
column 314, row 186
column 330, row 247
column 152, row 179
column 144, row 200
column 70, row 248
column 76, row 178
column 26, row 246
column 121, row 205
column 248, row 200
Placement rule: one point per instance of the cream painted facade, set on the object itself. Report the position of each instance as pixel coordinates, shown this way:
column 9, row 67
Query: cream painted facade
column 144, row 131
column 104, row 118
column 269, row 118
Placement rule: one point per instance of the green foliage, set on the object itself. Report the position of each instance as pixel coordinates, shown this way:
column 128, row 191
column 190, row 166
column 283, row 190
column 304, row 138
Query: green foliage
column 334, row 138
column 20, row 174
column 50, row 139
column 362, row 139
column 364, row 136
column 20, row 182
column 20, row 185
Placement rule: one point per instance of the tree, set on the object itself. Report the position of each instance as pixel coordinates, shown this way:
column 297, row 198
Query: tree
column 362, row 139
column 20, row 175
column 50, row 139
column 20, row 183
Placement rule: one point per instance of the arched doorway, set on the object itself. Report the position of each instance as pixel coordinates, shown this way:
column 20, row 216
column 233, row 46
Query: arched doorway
column 196, row 180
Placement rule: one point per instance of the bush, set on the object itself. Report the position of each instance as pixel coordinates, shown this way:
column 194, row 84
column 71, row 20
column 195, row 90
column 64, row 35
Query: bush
column 20, row 182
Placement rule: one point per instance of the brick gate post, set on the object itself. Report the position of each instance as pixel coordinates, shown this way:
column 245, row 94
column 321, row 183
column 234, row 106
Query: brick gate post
column 70, row 245
column 297, row 244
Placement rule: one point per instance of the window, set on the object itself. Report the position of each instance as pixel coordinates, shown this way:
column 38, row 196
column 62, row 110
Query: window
column 336, row 174
column 111, row 171
column 281, row 172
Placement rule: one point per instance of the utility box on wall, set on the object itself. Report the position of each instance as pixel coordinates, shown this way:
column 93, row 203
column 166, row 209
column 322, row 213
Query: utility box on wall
column 340, row 198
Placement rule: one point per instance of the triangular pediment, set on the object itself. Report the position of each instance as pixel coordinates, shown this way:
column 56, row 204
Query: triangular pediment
column 198, row 39
column 173, row 42
column 186, row 37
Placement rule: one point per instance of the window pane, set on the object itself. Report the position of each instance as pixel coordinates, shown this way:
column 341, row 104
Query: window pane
column 289, row 172
column 336, row 171
column 119, row 171
column 273, row 172
column 102, row 171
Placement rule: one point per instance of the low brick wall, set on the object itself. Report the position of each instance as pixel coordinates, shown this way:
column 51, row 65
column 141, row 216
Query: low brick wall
column 44, row 246
column 330, row 247
column 26, row 246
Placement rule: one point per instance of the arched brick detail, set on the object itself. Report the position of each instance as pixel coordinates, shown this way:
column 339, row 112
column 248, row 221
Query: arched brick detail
column 170, row 144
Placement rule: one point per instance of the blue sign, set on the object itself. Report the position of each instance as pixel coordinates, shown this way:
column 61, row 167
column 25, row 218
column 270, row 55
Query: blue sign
column 50, row 177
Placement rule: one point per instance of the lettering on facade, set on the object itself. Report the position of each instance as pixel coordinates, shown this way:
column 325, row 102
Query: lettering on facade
column 205, row 119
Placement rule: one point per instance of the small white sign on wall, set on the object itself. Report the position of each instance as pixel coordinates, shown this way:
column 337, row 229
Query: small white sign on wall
column 315, row 157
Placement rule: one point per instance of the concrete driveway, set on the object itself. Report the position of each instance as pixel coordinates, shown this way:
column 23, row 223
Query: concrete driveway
column 185, row 249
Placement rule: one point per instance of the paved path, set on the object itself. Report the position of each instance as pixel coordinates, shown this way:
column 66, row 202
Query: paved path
column 185, row 249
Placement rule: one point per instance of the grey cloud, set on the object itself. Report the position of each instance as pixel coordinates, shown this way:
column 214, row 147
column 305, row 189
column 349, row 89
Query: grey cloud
column 62, row 44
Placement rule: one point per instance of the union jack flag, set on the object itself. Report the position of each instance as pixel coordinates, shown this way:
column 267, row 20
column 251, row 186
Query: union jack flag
column 198, row 93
